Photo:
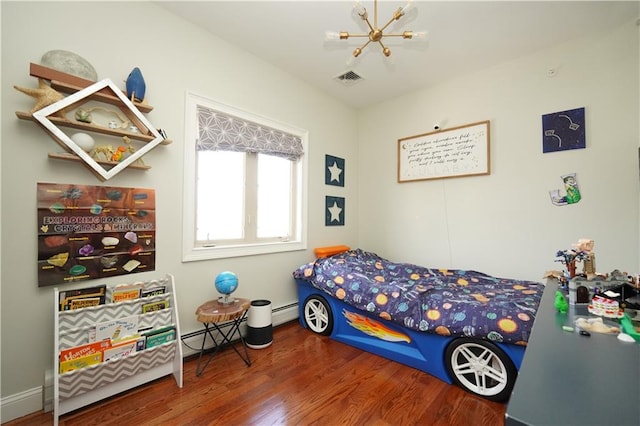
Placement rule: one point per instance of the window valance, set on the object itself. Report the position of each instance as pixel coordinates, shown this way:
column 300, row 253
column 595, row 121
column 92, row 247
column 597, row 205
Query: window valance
column 219, row 131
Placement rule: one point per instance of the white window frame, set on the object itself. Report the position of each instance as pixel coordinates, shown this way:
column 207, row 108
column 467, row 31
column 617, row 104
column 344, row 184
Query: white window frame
column 190, row 250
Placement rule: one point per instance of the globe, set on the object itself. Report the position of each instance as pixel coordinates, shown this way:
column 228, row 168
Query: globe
column 226, row 283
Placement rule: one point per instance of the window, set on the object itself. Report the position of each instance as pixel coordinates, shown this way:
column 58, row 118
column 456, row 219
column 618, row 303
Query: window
column 245, row 180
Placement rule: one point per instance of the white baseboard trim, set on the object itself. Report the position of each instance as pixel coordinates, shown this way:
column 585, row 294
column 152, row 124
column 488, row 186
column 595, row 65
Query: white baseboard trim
column 32, row 400
column 21, row 404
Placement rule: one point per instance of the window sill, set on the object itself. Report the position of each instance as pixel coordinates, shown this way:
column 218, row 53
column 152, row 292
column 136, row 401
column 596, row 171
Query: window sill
column 221, row 252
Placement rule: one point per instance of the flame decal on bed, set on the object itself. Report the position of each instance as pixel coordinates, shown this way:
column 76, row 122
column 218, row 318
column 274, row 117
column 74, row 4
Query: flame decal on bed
column 374, row 328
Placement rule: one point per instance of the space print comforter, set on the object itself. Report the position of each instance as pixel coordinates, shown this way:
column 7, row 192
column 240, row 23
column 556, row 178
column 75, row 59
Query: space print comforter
column 445, row 302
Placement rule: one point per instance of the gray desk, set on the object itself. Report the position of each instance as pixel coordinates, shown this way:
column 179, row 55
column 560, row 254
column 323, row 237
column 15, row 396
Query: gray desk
column 568, row 379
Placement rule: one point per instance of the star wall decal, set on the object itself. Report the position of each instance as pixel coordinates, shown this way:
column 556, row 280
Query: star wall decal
column 334, row 171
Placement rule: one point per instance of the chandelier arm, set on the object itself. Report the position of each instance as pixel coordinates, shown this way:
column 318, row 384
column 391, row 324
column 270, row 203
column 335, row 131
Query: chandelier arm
column 365, row 45
column 397, row 35
column 395, row 17
column 349, row 35
column 385, row 50
column 369, row 24
column 375, row 15
column 358, row 50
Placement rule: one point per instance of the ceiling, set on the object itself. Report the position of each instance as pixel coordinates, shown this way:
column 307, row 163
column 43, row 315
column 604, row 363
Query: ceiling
column 463, row 36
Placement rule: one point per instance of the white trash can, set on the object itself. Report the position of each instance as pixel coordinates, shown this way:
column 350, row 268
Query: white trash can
column 259, row 327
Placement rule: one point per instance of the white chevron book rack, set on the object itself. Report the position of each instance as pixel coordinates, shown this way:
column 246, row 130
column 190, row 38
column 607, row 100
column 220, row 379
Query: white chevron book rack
column 77, row 388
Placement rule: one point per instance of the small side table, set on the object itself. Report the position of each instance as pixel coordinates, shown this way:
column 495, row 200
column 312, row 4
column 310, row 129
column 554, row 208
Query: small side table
column 212, row 314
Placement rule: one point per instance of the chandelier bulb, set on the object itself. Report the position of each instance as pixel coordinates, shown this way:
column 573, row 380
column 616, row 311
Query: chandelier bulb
column 386, row 51
column 420, row 35
column 331, row 35
column 357, row 52
column 407, row 7
column 360, row 10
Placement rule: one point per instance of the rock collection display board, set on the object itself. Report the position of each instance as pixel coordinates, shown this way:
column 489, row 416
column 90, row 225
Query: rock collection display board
column 90, row 232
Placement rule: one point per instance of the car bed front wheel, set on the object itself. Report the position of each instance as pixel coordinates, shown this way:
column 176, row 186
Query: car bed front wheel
column 318, row 316
column 481, row 368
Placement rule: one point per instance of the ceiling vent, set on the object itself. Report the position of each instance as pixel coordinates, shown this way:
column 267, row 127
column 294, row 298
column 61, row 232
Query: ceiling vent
column 348, row 78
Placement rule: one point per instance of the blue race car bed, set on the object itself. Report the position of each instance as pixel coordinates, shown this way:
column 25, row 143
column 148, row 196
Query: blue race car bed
column 463, row 327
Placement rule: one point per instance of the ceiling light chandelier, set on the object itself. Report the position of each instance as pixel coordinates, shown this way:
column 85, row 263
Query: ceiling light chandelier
column 376, row 34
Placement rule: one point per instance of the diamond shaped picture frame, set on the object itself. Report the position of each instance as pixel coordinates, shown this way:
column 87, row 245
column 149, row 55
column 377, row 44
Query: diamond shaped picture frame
column 42, row 117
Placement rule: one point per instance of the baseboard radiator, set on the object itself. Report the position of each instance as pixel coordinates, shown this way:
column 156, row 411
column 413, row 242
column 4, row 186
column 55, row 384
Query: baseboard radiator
column 192, row 341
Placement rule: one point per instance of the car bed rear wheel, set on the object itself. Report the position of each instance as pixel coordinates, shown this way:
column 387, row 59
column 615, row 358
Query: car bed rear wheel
column 481, row 368
column 318, row 316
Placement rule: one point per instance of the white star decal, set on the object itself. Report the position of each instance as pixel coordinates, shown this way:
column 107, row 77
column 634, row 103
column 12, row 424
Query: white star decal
column 335, row 212
column 335, row 172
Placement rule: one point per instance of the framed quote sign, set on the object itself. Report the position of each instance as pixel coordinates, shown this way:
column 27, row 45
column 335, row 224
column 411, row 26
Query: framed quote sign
column 455, row 152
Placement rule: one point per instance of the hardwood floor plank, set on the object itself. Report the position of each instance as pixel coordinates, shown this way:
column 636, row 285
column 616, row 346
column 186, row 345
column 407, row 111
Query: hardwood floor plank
column 301, row 379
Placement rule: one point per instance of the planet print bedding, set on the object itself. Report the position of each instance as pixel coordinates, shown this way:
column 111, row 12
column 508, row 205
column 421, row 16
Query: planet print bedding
column 447, row 302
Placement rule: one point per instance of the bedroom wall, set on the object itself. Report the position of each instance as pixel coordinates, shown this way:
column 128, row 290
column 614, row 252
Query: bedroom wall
column 504, row 223
column 174, row 57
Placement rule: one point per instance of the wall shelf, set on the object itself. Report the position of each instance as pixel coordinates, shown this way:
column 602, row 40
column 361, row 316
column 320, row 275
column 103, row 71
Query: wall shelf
column 68, row 83
column 72, row 157
column 55, row 116
column 58, row 121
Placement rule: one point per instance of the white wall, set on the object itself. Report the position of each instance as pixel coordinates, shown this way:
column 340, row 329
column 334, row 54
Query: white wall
column 174, row 57
column 505, row 224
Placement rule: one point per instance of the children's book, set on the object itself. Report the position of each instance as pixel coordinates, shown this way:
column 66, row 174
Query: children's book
column 119, row 351
column 160, row 336
column 116, row 329
column 67, row 296
column 147, row 292
column 83, row 350
column 84, row 302
column 155, row 306
column 82, row 362
column 125, row 292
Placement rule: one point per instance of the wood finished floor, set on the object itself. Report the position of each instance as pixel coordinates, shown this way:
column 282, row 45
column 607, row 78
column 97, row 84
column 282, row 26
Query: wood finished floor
column 301, row 379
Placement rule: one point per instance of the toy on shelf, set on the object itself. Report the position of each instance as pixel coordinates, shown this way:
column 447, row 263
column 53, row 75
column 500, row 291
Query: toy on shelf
column 582, row 251
column 595, row 325
column 585, row 246
column 561, row 303
column 605, row 307
column 85, row 115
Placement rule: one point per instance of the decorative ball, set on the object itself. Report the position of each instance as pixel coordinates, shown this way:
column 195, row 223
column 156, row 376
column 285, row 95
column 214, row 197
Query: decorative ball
column 84, row 141
column 226, row 282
